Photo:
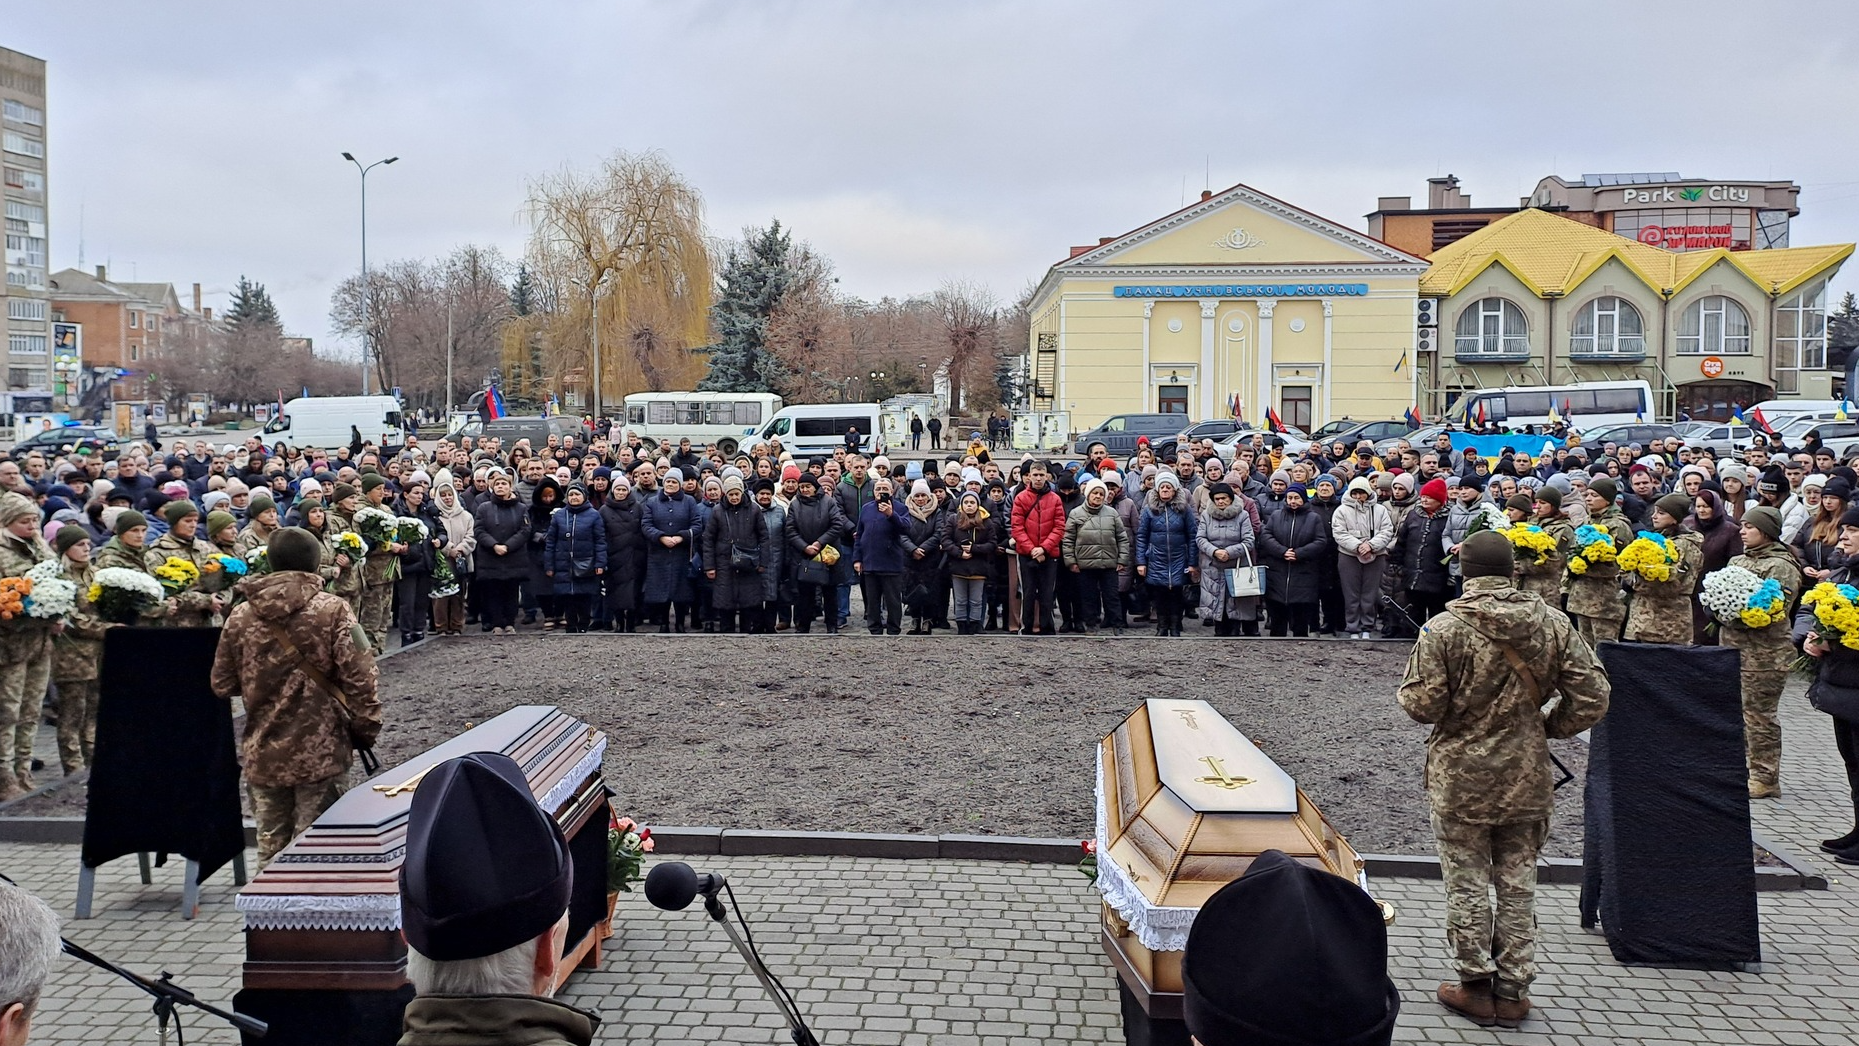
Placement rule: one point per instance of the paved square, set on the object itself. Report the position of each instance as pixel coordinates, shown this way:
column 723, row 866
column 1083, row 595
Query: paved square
column 913, row 952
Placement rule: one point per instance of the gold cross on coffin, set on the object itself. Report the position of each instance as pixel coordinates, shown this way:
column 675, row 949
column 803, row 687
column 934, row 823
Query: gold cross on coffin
column 408, row 785
column 1220, row 778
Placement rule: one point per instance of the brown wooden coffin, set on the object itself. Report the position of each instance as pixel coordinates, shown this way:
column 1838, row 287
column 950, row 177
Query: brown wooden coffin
column 325, row 913
column 1185, row 802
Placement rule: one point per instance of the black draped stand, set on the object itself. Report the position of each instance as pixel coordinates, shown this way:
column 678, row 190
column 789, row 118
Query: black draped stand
column 165, row 775
column 1668, row 861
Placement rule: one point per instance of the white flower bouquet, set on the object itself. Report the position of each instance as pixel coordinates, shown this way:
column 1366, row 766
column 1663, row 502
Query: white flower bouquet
column 1725, row 593
column 53, row 597
column 123, row 595
column 378, row 527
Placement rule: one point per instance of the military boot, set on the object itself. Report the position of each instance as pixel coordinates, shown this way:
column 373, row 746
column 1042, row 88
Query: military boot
column 1510, row 1013
column 1472, row 1001
column 1764, row 789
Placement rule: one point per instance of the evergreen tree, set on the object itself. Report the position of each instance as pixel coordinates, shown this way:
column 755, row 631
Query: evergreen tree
column 756, row 276
column 1843, row 325
column 252, row 307
column 522, row 292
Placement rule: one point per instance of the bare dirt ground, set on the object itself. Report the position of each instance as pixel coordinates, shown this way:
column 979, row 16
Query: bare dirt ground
column 982, row 736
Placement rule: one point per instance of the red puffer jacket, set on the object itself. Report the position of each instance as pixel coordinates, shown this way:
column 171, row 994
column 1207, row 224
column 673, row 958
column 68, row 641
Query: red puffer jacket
column 1038, row 519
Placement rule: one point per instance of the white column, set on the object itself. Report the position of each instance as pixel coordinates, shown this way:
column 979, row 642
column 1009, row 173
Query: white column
column 1265, row 389
column 1328, row 325
column 1144, row 383
column 1209, row 306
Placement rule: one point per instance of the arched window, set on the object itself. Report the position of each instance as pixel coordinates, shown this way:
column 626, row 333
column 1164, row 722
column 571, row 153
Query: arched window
column 1491, row 327
column 1714, row 326
column 1607, row 327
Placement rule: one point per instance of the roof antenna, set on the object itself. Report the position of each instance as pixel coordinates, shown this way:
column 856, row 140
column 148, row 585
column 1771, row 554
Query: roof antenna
column 1184, row 190
column 80, row 234
column 1207, row 174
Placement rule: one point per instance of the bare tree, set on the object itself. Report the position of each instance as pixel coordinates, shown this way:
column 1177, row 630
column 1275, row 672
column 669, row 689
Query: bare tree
column 410, row 304
column 810, row 332
column 971, row 326
column 631, row 236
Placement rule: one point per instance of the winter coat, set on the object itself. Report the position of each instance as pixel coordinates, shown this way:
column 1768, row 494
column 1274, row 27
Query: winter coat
column 880, row 545
column 1459, row 517
column 733, row 527
column 1355, row 522
column 539, row 516
column 1095, row 539
column 502, row 522
column 575, row 550
column 982, row 539
column 1301, row 530
column 1820, row 555
column 925, row 573
column 626, row 549
column 852, row 500
column 1420, row 547
column 777, row 583
column 1836, row 673
column 817, row 521
column 1039, row 520
column 418, row 558
column 668, row 570
column 460, row 533
column 1165, row 541
column 1226, row 529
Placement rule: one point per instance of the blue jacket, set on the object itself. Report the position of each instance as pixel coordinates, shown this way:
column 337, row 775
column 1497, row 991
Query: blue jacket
column 880, row 545
column 1165, row 541
column 668, row 570
column 577, row 547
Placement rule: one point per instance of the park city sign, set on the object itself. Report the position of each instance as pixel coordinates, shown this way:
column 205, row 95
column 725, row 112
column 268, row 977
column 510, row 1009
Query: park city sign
column 1681, row 195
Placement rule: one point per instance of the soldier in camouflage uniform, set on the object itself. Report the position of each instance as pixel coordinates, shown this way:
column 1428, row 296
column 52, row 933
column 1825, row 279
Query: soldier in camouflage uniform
column 1767, row 653
column 1545, row 579
column 126, row 549
column 298, row 742
column 192, row 608
column 1660, row 611
column 1485, row 674
column 348, row 582
column 316, row 520
column 1594, row 596
column 263, row 515
column 380, row 570
column 77, row 655
column 25, row 644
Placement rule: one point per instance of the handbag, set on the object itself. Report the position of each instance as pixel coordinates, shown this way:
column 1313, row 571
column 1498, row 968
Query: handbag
column 814, row 572
column 1247, row 581
column 744, row 560
column 1837, row 701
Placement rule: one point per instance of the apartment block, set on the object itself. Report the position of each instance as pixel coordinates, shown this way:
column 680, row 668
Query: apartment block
column 25, row 293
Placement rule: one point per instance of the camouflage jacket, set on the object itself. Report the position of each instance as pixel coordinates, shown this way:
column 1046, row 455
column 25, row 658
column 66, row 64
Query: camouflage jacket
column 77, row 652
column 115, row 554
column 1660, row 611
column 295, row 732
column 1771, row 648
column 1488, row 755
column 257, row 535
column 347, row 580
column 23, row 638
column 1545, row 579
column 194, row 607
column 1597, row 592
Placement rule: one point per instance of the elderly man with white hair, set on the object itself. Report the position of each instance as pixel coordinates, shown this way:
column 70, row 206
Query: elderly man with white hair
column 29, row 945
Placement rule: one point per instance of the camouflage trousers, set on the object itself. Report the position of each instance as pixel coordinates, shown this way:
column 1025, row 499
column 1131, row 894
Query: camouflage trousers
column 1596, row 630
column 284, row 812
column 22, row 695
column 77, row 723
column 377, row 613
column 1475, row 859
column 1762, row 731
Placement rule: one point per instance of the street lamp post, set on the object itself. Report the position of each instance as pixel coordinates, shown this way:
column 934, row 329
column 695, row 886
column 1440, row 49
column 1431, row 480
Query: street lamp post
column 364, row 259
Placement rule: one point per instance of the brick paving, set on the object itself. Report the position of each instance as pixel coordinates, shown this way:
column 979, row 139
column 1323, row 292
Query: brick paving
column 910, row 952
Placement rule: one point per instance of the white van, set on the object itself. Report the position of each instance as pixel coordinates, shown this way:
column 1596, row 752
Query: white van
column 809, row 429
column 325, row 422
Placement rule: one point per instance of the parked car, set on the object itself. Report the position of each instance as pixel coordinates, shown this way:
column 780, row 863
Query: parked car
column 1838, row 436
column 1373, row 431
column 536, row 429
column 1720, row 438
column 1296, row 441
column 1324, row 433
column 1119, row 433
column 1623, row 435
column 1215, row 430
column 1417, row 439
column 68, row 438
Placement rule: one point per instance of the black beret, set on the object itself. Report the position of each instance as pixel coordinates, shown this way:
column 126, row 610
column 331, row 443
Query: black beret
column 1288, row 954
column 486, row 868
column 293, row 548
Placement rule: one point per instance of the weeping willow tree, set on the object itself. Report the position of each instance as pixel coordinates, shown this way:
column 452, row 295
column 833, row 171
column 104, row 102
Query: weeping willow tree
column 624, row 243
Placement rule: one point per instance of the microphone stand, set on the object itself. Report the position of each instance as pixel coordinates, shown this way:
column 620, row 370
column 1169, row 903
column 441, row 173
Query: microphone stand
column 797, row 1027
column 167, row 995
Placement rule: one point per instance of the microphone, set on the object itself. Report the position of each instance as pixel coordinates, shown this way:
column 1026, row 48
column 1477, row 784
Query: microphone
column 673, row 886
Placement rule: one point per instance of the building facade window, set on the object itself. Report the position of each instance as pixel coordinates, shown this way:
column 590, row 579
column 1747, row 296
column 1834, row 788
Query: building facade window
column 25, row 308
column 20, row 276
column 135, row 319
column 25, row 212
column 1607, row 327
column 24, row 344
column 1713, row 326
column 135, row 351
column 20, row 112
column 1491, row 327
column 1800, row 336
column 25, row 181
column 25, row 250
column 19, row 143
column 1171, row 399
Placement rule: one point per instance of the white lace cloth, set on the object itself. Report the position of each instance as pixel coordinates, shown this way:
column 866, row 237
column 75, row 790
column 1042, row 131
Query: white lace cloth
column 378, row 911
column 1160, row 928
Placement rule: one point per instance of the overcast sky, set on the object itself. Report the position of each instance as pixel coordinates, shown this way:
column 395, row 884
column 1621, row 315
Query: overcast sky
column 911, row 143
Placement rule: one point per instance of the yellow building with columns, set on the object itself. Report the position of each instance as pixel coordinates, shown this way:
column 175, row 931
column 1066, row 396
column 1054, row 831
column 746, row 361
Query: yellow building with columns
column 1236, row 303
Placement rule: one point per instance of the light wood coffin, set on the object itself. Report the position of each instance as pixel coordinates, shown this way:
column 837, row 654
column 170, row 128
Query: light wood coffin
column 325, row 913
column 1185, row 802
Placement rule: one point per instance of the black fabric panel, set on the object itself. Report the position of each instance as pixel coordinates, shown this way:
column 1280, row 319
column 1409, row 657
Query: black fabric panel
column 1668, row 866
column 317, row 1018
column 1140, row 1029
column 165, row 778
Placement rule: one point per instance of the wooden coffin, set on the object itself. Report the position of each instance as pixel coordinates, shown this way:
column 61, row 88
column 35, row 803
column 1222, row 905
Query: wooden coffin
column 1184, row 804
column 324, row 915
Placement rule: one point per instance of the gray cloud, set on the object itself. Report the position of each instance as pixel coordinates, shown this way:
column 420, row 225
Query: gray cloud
column 910, row 143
